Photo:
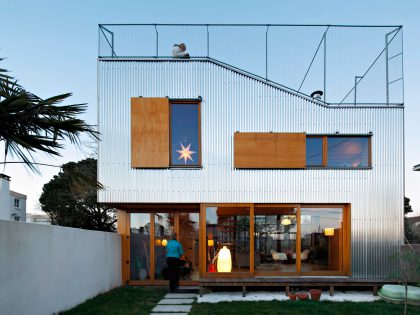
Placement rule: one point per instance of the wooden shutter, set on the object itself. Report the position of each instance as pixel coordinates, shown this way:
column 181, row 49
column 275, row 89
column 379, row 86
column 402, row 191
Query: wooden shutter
column 269, row 150
column 149, row 132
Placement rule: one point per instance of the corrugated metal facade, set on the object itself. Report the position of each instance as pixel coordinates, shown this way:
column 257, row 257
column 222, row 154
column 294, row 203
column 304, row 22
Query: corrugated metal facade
column 234, row 102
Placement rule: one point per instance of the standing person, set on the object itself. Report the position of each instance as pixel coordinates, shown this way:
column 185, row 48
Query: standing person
column 173, row 252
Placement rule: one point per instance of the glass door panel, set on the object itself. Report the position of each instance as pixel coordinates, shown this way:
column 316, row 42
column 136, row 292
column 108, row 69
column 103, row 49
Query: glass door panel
column 164, row 228
column 188, row 237
column 227, row 239
column 275, row 239
column 322, row 239
column 140, row 246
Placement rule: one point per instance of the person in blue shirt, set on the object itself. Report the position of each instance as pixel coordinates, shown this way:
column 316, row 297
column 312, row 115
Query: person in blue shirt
column 173, row 252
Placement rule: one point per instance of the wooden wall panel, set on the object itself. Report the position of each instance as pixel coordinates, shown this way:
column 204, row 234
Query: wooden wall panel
column 123, row 229
column 149, row 132
column 269, row 150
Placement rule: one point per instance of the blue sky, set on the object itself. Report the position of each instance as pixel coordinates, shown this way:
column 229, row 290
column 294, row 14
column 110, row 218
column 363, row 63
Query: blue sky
column 51, row 47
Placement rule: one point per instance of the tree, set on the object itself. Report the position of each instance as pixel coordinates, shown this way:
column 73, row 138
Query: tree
column 69, row 199
column 30, row 124
column 407, row 206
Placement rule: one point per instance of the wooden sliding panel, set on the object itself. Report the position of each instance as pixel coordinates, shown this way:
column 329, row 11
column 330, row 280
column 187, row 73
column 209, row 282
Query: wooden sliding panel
column 269, row 150
column 149, row 132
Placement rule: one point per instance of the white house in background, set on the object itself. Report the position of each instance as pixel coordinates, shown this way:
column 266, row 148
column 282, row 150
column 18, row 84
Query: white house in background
column 12, row 204
column 37, row 218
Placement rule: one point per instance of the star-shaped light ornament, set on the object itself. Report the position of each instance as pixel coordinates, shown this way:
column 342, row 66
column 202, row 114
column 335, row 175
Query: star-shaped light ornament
column 185, row 153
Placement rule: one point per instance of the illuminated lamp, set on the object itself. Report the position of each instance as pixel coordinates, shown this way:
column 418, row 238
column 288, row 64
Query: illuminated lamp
column 224, row 260
column 286, row 221
column 210, row 243
column 158, row 242
column 329, row 232
column 164, row 242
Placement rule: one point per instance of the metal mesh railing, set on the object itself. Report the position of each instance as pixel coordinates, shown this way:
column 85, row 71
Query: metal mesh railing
column 352, row 65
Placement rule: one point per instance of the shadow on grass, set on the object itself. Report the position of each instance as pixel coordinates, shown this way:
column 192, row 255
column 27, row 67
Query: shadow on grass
column 124, row 300
column 301, row 307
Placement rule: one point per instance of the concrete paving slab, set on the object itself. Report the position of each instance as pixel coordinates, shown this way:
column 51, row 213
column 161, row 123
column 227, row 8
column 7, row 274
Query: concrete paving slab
column 180, row 296
column 176, row 301
column 168, row 313
column 172, row 308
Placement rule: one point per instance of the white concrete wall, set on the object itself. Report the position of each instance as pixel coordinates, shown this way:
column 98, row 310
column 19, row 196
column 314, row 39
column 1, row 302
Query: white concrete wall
column 46, row 269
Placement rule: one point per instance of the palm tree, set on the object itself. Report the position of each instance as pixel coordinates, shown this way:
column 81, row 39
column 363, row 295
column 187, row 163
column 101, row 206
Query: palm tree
column 30, row 124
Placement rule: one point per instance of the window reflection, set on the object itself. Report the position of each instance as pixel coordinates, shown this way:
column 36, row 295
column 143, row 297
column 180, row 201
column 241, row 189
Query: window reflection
column 275, row 239
column 322, row 239
column 314, row 151
column 139, row 246
column 348, row 152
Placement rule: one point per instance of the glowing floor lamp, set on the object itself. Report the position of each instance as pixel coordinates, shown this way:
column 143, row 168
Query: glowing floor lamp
column 224, row 261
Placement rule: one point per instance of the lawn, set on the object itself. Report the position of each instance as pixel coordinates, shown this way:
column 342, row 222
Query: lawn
column 301, row 307
column 140, row 300
column 124, row 300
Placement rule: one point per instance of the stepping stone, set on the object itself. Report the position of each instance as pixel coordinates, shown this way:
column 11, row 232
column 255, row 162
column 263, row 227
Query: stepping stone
column 180, row 296
column 168, row 313
column 172, row 309
column 176, row 301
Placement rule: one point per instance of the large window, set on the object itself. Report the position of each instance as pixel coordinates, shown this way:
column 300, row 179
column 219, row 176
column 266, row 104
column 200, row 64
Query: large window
column 185, row 135
column 338, row 151
column 227, row 239
column 275, row 239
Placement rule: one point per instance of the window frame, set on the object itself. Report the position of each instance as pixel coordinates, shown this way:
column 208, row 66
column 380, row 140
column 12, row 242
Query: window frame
column 185, row 102
column 325, row 150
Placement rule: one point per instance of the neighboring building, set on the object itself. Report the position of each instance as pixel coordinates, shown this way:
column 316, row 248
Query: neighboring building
column 37, row 218
column 292, row 186
column 12, row 204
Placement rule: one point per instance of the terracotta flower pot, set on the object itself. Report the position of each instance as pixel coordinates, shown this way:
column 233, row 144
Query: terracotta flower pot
column 292, row 296
column 302, row 295
column 315, row 294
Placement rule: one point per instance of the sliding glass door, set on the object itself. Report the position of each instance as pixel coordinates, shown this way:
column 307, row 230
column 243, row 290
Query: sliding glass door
column 149, row 235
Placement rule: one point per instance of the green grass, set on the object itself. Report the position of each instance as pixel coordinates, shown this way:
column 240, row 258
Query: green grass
column 124, row 300
column 140, row 300
column 301, row 307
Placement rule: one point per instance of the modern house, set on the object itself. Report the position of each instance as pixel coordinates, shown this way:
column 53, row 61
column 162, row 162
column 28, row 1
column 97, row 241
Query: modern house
column 258, row 180
column 12, row 204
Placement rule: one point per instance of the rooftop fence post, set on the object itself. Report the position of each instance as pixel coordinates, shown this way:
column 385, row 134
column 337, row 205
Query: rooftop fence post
column 208, row 41
column 386, row 69
column 157, row 41
column 266, row 53
column 325, row 66
column 356, row 81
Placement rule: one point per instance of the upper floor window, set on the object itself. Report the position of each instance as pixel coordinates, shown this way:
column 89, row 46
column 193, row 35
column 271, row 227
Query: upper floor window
column 185, row 134
column 165, row 132
column 17, row 203
column 338, row 151
column 314, row 151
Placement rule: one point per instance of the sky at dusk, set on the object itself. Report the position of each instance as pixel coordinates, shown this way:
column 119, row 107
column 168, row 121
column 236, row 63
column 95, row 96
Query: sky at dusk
column 52, row 47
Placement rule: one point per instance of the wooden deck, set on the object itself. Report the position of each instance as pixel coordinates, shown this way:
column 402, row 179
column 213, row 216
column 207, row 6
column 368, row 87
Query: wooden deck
column 288, row 282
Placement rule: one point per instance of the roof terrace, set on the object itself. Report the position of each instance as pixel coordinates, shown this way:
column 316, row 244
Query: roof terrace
column 354, row 65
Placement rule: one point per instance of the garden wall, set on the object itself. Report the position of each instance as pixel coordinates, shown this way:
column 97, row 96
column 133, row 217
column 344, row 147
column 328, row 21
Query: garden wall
column 46, row 269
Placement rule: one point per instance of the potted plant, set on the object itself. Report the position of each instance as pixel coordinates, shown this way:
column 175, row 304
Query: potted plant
column 302, row 295
column 292, row 295
column 315, row 294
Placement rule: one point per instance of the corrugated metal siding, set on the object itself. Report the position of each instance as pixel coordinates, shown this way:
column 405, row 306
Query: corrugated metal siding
column 234, row 102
